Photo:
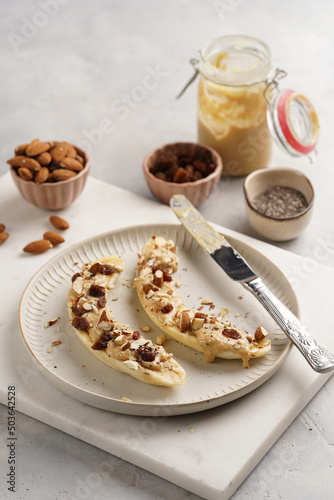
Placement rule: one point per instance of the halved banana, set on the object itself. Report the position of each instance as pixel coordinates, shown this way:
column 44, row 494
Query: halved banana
column 111, row 341
column 203, row 332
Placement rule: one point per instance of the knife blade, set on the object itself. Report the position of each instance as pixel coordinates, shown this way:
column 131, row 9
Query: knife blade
column 236, row 267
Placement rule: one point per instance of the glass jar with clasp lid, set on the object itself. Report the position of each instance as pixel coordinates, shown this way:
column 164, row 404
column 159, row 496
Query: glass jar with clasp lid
column 241, row 109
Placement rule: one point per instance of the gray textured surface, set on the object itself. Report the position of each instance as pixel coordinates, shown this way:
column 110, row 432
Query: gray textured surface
column 68, row 78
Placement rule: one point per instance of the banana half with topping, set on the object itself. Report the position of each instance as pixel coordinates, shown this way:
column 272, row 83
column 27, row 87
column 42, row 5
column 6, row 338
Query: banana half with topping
column 111, row 341
column 203, row 332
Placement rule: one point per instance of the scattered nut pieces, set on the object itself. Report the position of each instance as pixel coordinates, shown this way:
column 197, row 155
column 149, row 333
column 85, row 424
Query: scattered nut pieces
column 206, row 302
column 161, row 339
column 59, row 223
column 56, row 342
column 43, row 162
column 145, row 328
column 223, row 312
column 50, row 323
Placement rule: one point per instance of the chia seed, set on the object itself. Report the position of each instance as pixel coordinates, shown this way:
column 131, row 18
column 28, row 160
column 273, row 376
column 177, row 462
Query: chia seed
column 280, row 202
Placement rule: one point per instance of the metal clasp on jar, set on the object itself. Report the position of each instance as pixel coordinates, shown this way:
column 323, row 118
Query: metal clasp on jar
column 195, row 63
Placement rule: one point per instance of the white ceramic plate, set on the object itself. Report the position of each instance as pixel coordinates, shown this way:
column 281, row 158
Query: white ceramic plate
column 78, row 373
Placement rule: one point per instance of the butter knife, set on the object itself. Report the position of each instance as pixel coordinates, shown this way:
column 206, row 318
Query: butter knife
column 235, row 266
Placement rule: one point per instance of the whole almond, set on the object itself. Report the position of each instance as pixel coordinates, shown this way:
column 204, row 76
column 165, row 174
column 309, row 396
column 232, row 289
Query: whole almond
column 71, row 151
column 24, row 161
column 3, row 237
column 38, row 246
column 54, row 237
column 36, row 148
column 44, row 158
column 72, row 164
column 58, row 222
column 80, row 159
column 25, row 173
column 20, row 150
column 2, row 228
column 16, row 161
column 42, row 175
column 62, row 174
column 59, row 152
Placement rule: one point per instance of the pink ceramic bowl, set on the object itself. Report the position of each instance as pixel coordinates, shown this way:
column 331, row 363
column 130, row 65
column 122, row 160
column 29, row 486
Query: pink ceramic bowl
column 196, row 191
column 55, row 195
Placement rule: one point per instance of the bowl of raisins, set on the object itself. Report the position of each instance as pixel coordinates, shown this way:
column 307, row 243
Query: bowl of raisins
column 184, row 168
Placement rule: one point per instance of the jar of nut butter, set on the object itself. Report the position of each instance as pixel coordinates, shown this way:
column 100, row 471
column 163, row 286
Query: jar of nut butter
column 241, row 110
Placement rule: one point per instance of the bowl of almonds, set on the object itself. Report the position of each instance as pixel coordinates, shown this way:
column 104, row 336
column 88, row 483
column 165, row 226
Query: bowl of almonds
column 184, row 168
column 50, row 174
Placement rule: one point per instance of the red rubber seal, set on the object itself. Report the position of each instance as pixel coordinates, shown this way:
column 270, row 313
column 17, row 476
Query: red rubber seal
column 284, row 124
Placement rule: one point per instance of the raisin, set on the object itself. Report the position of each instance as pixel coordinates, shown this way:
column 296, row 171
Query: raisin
column 136, row 335
column 146, row 353
column 166, row 309
column 95, row 268
column 200, row 166
column 181, row 176
column 107, row 270
column 75, row 276
column 78, row 310
column 231, row 333
column 80, row 323
column 101, row 302
column 99, row 345
column 197, row 175
column 96, row 291
column 105, row 336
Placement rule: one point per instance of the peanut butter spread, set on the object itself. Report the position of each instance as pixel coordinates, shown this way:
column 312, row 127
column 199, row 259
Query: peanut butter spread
column 112, row 341
column 201, row 331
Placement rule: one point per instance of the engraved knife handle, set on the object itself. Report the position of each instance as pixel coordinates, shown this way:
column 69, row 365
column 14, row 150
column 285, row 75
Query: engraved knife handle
column 319, row 358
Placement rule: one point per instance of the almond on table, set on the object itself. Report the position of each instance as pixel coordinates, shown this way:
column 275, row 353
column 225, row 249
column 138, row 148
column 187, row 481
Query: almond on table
column 54, row 237
column 38, row 246
column 3, row 237
column 58, row 222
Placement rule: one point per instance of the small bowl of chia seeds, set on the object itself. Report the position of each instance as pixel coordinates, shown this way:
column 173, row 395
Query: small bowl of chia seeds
column 279, row 202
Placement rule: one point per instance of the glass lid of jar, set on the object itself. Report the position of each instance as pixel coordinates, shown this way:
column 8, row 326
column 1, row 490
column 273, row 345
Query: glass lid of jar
column 235, row 60
column 292, row 119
